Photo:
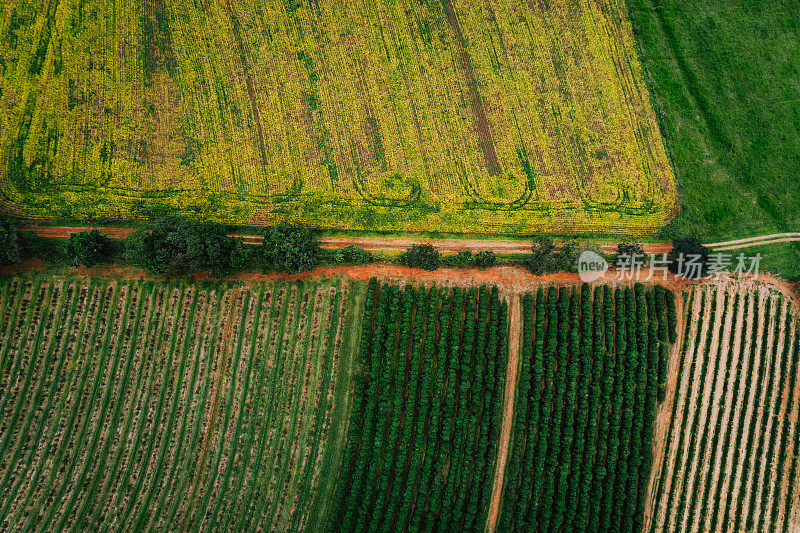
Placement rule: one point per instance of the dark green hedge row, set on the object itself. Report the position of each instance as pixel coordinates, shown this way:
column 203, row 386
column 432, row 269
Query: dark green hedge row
column 591, row 366
column 427, row 410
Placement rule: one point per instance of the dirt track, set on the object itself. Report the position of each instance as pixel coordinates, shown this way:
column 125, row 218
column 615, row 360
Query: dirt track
column 663, row 417
column 376, row 244
column 372, row 244
column 753, row 241
column 508, row 413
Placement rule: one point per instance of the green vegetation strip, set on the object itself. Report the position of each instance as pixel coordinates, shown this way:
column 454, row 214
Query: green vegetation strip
column 423, row 437
column 581, row 456
column 723, row 78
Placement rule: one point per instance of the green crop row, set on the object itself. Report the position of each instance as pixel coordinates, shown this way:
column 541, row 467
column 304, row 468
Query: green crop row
column 427, row 407
column 171, row 406
column 580, row 456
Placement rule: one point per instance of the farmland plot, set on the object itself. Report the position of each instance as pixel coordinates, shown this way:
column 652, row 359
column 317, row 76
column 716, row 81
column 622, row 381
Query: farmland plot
column 592, row 372
column 494, row 116
column 731, row 453
column 137, row 405
column 427, row 410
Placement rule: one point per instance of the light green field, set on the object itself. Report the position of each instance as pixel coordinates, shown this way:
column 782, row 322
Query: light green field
column 726, row 80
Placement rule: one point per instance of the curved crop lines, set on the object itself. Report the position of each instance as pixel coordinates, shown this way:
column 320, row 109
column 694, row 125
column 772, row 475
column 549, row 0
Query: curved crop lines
column 108, row 401
column 402, row 116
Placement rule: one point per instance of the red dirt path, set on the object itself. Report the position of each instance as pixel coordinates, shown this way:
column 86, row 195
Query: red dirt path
column 508, row 413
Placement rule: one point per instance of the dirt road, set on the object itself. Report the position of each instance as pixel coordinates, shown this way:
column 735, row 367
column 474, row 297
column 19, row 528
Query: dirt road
column 754, row 241
column 399, row 244
column 508, row 413
column 372, row 244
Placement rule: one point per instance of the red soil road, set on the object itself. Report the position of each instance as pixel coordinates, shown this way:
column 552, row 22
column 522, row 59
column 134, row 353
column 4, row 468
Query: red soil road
column 509, row 277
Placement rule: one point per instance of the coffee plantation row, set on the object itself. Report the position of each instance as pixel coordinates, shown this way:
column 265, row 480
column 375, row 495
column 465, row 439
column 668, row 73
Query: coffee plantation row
column 427, row 411
column 591, row 368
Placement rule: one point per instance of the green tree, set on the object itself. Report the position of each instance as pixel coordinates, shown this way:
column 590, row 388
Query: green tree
column 177, row 245
column 629, row 248
column 541, row 258
column 290, row 248
column 423, row 256
column 485, row 259
column 566, row 260
column 10, row 250
column 88, row 247
column 356, row 255
column 461, row 259
column 689, row 247
column 547, row 258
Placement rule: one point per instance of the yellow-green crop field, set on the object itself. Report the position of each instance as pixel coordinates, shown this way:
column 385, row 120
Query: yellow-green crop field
column 454, row 115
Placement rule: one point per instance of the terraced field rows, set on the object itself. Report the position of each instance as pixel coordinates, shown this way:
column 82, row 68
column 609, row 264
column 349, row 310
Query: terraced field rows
column 730, row 462
column 134, row 405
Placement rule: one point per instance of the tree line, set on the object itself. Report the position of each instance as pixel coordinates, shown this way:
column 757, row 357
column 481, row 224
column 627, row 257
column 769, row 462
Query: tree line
column 178, row 245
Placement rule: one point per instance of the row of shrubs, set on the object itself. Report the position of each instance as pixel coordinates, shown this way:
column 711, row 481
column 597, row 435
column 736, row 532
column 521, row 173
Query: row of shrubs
column 546, row 257
column 427, row 410
column 585, row 410
column 178, row 245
